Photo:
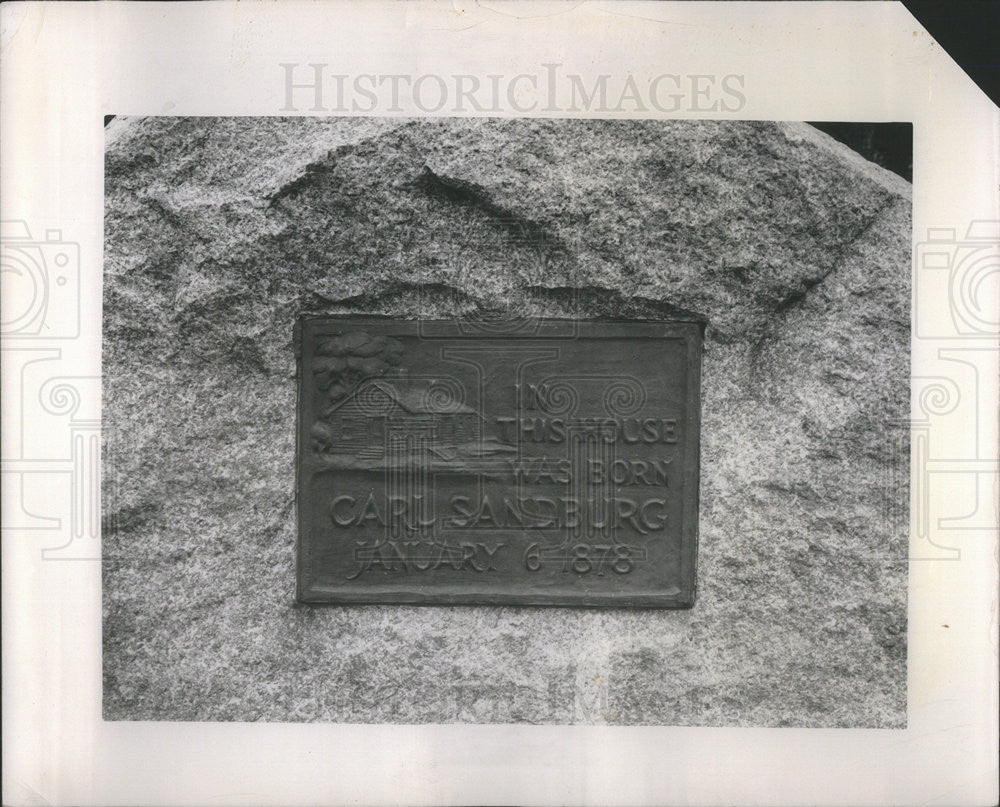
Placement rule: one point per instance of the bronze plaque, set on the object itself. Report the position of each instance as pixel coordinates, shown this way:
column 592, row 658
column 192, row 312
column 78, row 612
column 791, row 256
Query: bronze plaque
column 537, row 462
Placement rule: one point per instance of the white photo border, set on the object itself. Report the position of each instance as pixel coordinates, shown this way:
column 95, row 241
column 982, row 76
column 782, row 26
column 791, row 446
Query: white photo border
column 67, row 65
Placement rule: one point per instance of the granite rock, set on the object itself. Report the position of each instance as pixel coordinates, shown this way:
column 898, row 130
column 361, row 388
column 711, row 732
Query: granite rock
column 220, row 232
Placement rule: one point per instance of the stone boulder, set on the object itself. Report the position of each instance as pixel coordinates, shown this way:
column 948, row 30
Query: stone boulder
column 220, row 232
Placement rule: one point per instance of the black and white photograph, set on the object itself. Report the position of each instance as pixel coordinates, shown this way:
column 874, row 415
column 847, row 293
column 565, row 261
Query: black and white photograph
column 510, row 402
column 787, row 249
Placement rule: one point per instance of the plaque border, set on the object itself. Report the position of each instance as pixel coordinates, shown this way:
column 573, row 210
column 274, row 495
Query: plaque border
column 691, row 331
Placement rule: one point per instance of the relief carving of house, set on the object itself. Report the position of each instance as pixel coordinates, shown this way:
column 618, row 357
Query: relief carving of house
column 380, row 413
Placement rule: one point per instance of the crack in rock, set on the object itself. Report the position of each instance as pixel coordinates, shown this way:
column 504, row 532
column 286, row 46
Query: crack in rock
column 797, row 296
column 462, row 192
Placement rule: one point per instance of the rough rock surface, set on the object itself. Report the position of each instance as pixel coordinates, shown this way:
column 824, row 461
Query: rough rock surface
column 220, row 232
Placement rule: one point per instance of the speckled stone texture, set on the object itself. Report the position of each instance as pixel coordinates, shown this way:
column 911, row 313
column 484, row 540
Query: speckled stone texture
column 220, row 232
